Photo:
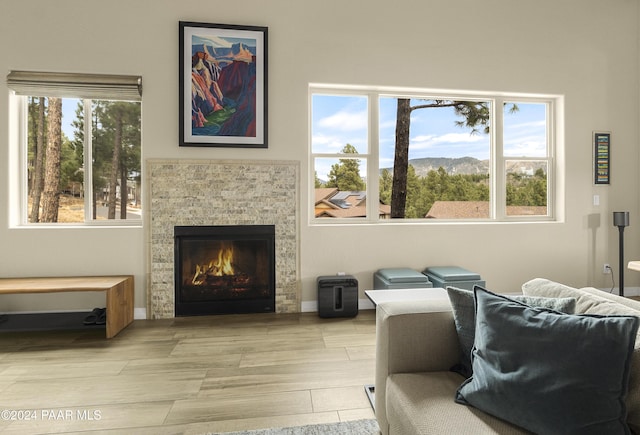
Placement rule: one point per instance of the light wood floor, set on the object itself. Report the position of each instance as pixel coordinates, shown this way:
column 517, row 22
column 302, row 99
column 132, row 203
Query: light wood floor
column 189, row 375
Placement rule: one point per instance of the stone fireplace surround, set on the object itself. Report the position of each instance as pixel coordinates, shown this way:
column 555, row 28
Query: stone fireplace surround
column 220, row 192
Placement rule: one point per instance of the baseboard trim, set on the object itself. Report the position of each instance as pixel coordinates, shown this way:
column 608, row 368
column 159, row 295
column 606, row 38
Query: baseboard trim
column 312, row 306
column 363, row 304
column 307, row 307
column 140, row 314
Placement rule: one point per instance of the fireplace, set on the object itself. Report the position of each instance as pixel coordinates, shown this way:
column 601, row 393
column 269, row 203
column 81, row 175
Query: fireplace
column 224, row 269
column 221, row 192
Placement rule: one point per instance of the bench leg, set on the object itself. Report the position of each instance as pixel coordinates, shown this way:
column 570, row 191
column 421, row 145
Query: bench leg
column 119, row 307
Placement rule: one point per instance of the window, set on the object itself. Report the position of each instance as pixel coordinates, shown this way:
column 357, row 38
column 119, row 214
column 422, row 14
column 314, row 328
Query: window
column 79, row 141
column 340, row 147
column 381, row 155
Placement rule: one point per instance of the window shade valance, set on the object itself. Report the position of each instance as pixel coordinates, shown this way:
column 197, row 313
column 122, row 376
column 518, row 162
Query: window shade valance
column 72, row 85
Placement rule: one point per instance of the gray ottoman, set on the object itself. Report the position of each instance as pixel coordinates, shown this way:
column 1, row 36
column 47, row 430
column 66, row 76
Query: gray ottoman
column 454, row 276
column 397, row 278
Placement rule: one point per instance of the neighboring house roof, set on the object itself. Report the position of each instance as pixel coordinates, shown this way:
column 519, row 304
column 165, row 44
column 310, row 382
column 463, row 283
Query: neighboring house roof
column 331, row 202
column 477, row 210
column 526, row 210
column 325, row 193
column 459, row 210
column 348, row 199
column 342, row 212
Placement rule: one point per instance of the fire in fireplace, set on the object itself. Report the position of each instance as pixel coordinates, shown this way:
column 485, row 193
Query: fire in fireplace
column 224, row 269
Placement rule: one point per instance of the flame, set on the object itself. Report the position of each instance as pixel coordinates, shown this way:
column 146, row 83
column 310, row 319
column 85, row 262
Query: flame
column 220, row 266
column 224, row 264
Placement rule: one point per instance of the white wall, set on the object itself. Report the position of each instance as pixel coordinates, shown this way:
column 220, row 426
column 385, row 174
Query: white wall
column 586, row 50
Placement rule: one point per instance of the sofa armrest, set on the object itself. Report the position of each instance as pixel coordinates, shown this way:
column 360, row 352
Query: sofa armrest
column 417, row 336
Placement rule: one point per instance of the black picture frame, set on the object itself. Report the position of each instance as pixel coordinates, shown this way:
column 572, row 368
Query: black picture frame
column 223, row 85
column 601, row 157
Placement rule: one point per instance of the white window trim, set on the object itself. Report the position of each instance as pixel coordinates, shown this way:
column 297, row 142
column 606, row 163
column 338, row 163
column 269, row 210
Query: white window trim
column 555, row 146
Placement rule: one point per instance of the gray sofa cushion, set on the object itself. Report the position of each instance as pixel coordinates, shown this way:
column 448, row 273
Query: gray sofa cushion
column 464, row 312
column 594, row 301
column 588, row 300
column 549, row 372
column 422, row 403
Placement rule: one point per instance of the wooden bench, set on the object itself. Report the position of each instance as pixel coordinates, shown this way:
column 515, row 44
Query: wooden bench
column 119, row 289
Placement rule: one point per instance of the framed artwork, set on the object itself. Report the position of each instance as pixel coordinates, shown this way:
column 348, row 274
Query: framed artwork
column 602, row 157
column 223, row 85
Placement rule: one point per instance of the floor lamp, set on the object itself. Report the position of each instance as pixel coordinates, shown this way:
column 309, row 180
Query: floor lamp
column 621, row 220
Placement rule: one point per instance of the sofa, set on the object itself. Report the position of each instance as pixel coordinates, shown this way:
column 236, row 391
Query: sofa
column 417, row 387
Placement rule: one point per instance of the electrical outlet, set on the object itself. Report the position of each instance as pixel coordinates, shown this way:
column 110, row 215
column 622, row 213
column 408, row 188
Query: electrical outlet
column 606, row 269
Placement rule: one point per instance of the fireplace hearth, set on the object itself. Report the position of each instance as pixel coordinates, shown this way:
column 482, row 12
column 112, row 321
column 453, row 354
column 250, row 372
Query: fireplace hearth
column 224, row 269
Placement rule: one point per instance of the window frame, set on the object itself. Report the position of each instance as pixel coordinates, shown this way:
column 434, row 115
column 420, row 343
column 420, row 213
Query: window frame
column 497, row 175
column 82, row 87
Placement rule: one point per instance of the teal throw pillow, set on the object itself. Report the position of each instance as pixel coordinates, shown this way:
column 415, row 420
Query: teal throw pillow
column 464, row 315
column 548, row 372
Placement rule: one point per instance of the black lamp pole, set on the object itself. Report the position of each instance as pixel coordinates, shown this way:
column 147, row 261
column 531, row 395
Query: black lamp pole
column 621, row 220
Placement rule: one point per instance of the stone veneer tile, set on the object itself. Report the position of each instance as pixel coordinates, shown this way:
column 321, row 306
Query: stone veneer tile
column 221, row 192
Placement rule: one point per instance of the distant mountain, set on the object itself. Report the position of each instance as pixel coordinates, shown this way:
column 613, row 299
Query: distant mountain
column 470, row 165
column 461, row 165
column 467, row 165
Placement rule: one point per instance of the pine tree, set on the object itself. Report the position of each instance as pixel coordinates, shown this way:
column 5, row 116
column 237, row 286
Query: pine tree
column 38, row 171
column 345, row 175
column 51, row 189
column 475, row 115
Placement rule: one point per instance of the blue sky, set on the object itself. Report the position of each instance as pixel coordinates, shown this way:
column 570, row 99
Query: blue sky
column 338, row 120
column 69, row 106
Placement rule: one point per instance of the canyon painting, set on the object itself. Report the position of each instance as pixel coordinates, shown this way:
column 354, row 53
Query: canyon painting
column 223, row 94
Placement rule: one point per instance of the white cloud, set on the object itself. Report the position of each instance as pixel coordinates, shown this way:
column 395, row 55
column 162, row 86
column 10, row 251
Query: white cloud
column 526, row 139
column 431, row 141
column 528, row 147
column 345, row 121
column 323, row 143
column 459, row 138
column 388, row 124
column 423, row 138
column 531, row 124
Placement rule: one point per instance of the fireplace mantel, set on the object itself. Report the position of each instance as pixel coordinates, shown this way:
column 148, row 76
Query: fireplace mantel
column 220, row 192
